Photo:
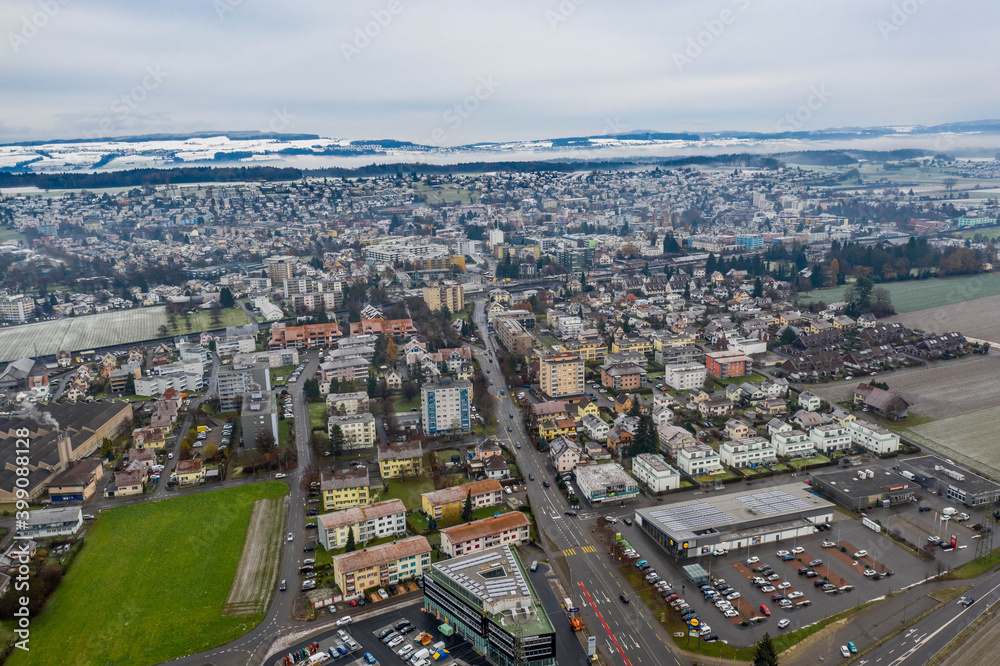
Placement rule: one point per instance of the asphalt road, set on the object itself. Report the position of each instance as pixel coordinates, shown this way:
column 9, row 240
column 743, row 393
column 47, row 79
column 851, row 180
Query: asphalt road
column 626, row 633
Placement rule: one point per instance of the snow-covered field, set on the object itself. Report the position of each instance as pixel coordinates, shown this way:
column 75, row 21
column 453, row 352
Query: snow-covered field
column 81, row 333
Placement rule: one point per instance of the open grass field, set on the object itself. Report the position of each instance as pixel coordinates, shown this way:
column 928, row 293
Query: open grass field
column 151, row 583
column 317, row 415
column 101, row 330
column 409, row 490
column 916, row 295
column 257, row 573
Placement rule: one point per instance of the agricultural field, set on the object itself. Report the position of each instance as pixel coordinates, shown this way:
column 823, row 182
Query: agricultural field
column 257, row 573
column 916, row 295
column 970, row 437
column 977, row 319
column 102, row 330
column 151, row 583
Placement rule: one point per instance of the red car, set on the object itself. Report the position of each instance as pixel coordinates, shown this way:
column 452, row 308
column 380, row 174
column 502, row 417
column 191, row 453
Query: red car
column 765, row 610
column 354, row 602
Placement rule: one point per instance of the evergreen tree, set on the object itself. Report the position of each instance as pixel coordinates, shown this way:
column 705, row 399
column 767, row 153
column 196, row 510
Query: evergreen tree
column 226, row 299
column 337, row 441
column 670, row 245
column 787, row 336
column 758, row 288
column 764, row 653
column 372, row 385
column 351, row 545
column 635, row 409
column 467, row 509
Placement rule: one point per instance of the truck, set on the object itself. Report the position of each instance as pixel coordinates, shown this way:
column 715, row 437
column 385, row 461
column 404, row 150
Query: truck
column 908, row 475
column 202, row 428
column 949, row 511
column 573, row 613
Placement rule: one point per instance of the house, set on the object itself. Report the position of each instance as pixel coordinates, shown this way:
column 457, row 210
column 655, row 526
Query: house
column 673, row 439
column 585, row 408
column 595, row 427
column 830, row 438
column 446, row 504
column 652, row 469
column 867, row 320
column 771, row 407
column 488, row 448
column 376, row 521
column 549, row 429
column 149, row 438
column 381, row 565
column 873, row 437
column 509, row 528
column 884, row 403
column 748, row 452
column 44, row 523
column 595, row 452
column 809, row 401
column 619, row 441
column 794, row 444
column 712, row 409
column 622, row 376
column 564, row 454
column 807, row 420
column 496, row 467
column 128, row 482
column 345, row 488
column 394, row 380
column 190, row 472
column 623, row 403
column 401, row 459
column 553, row 409
column 737, row 429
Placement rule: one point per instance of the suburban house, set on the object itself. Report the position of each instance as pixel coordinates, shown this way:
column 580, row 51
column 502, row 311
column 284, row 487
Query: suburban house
column 381, row 565
column 712, row 409
column 873, row 437
column 698, row 460
column 400, row 460
column 564, row 454
column 378, row 520
column 508, row 528
column 190, row 472
column 829, row 438
column 45, row 523
column 595, row 427
column 749, row 452
column 809, row 401
column 496, row 467
column 884, row 403
column 549, row 429
column 128, row 482
column 737, row 429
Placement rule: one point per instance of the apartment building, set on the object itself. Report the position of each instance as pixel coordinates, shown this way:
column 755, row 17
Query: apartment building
column 561, row 375
column 275, row 358
column 698, row 460
column 447, row 503
column 685, row 377
column 400, row 459
column 653, row 470
column 238, row 380
column 726, row 364
column 378, row 520
column 445, row 407
column 304, row 337
column 622, row 376
column 16, row 308
column 748, row 452
column 345, row 488
column 346, row 404
column 830, row 438
column 358, row 429
column 381, row 565
column 258, row 418
column 446, row 296
column 793, row 444
column 873, row 437
column 479, row 535
column 512, row 336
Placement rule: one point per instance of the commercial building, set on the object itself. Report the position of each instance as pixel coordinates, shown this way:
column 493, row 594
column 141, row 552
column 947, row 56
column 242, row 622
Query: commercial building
column 652, row 469
column 505, row 529
column 378, row 520
column 381, row 565
column 447, row 296
column 951, row 480
column 16, row 308
column 401, row 459
column 46, row 523
column 561, row 375
column 345, row 488
column 873, row 437
column 358, row 430
column 445, row 407
column 512, row 336
column 748, row 452
column 605, row 483
column 447, row 503
column 489, row 600
column 258, row 419
column 77, row 483
column 734, row 521
column 726, row 364
column 865, row 487
column 685, row 376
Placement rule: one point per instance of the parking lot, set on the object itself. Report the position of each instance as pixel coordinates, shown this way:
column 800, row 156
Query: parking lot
column 842, row 581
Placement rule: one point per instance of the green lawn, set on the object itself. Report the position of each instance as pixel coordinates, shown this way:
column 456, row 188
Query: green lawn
column 284, row 431
column 917, row 295
column 283, row 373
column 409, row 490
column 317, row 415
column 201, row 320
column 150, row 583
column 815, row 460
column 403, row 405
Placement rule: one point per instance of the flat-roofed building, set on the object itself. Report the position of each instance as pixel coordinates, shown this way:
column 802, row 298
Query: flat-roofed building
column 873, row 437
column 605, row 483
column 358, row 430
column 684, row 377
column 512, row 336
column 451, row 296
column 653, row 470
column 830, row 438
column 561, row 375
column 445, row 407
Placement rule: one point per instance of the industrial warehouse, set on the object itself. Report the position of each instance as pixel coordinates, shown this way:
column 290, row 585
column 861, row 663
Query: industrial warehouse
column 737, row 520
column 866, row 487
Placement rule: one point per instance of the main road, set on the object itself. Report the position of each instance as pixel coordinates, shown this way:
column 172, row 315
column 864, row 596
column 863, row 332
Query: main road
column 627, row 633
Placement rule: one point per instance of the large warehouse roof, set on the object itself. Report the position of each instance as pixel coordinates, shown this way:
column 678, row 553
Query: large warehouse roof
column 688, row 520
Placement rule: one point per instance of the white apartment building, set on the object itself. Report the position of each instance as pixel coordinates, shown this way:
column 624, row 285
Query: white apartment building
column 748, row 452
column 358, row 429
column 698, row 460
column 273, row 358
column 685, row 376
column 595, row 427
column 830, row 438
column 873, row 437
column 653, row 470
column 155, row 385
column 445, row 407
column 367, row 522
column 569, row 327
column 795, row 444
column 16, row 308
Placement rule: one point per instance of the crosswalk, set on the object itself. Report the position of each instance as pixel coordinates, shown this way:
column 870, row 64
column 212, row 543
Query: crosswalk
column 584, row 549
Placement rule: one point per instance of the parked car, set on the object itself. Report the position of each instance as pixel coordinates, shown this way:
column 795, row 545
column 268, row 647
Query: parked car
column 815, row 563
column 861, row 553
column 752, row 561
column 765, row 610
column 344, row 621
column 845, row 651
column 783, row 623
column 797, row 550
column 829, row 544
column 923, row 509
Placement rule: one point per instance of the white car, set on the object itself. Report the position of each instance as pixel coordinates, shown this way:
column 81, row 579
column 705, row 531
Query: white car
column 344, row 621
column 844, row 651
column 797, row 550
column 784, row 586
column 382, row 593
column 767, row 588
column 829, row 544
column 752, row 561
column 794, row 595
column 782, row 553
column 869, row 573
column 783, row 623
column 280, row 475
column 730, row 613
column 733, row 597
column 291, row 536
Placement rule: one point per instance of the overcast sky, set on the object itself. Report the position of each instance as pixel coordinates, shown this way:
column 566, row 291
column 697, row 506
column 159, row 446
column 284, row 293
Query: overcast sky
column 516, row 69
